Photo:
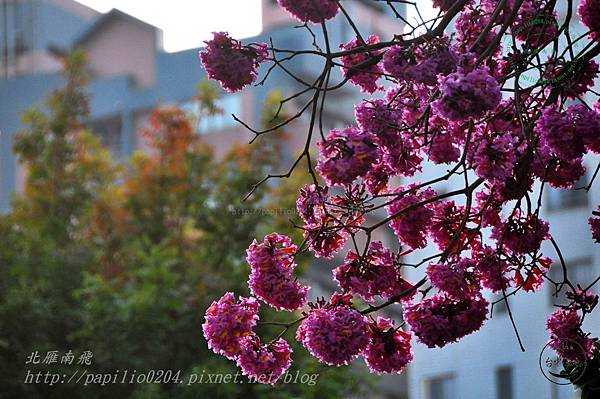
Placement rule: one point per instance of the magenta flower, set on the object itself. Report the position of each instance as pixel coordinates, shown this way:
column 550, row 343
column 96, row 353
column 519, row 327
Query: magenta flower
column 566, row 337
column 325, row 240
column 467, row 94
column 582, row 300
column 403, row 158
column 334, row 333
column 447, row 220
column 534, row 26
column 455, row 278
column 573, row 79
column 311, row 203
column 315, row 11
column 411, row 225
column 566, row 133
column 442, row 149
column 420, row 65
column 558, row 173
column 440, row 320
column 595, row 225
column 489, row 204
column 271, row 277
column 589, row 12
column 410, row 99
column 267, row 362
column 346, row 155
column 232, row 64
column 381, row 119
column 377, row 178
column 362, row 68
column 469, row 25
column 521, row 235
column 592, row 141
column 368, row 276
column 389, row 349
column 491, row 270
column 495, row 156
column 329, row 220
column 227, row 322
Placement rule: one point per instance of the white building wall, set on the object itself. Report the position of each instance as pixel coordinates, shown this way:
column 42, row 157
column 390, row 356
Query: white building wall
column 474, row 359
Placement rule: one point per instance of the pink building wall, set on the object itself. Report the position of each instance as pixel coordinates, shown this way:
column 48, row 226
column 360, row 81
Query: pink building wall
column 124, row 48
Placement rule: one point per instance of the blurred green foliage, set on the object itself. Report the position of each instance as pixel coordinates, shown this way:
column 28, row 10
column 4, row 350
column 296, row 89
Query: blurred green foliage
column 122, row 260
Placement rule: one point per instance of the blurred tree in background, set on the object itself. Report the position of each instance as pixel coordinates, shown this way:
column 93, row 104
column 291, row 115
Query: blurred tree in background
column 122, row 260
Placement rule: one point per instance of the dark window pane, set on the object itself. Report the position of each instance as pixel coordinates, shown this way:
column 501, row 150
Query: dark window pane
column 504, row 383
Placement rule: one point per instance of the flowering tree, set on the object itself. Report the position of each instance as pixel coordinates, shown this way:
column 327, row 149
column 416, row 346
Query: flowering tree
column 117, row 256
column 460, row 100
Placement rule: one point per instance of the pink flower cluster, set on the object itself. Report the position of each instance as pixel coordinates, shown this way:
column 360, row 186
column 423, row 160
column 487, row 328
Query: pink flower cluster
column 232, row 64
column 267, row 362
column 346, row 155
column 574, row 79
column 447, row 220
column 491, row 270
column 495, row 156
column 589, row 12
column 440, row 320
column 521, row 235
column 467, row 94
column 389, row 349
column 533, row 25
column 443, row 148
column 325, row 239
column 594, row 223
column 326, row 219
column 556, row 171
column 311, row 203
column 370, row 275
column 566, row 337
column 271, row 277
column 362, row 67
column 228, row 330
column 315, row 11
column 227, row 322
column 469, row 25
column 568, row 133
column 582, row 300
column 381, row 119
column 397, row 152
column 334, row 333
column 411, row 225
column 420, row 65
column 455, row 278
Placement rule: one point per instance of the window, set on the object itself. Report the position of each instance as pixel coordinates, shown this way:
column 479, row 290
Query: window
column 500, row 307
column 440, row 388
column 109, row 131
column 229, row 104
column 504, row 382
column 579, row 270
column 567, row 198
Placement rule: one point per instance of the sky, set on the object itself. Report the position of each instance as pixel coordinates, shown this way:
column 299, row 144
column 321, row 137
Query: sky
column 186, row 24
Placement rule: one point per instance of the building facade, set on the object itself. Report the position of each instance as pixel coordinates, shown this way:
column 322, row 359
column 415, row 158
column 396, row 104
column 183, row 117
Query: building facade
column 132, row 74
